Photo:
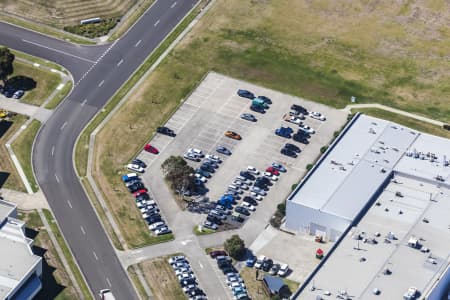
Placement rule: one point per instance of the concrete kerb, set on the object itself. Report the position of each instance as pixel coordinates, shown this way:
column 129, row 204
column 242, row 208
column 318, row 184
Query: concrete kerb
column 61, row 254
column 141, row 278
column 118, row 106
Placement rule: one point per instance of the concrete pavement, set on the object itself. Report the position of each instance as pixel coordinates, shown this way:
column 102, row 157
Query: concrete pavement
column 14, row 105
column 25, row 201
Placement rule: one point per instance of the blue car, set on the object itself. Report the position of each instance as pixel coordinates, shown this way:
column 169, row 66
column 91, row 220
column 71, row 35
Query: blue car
column 223, row 150
column 246, row 94
column 129, row 177
column 284, row 132
column 250, row 262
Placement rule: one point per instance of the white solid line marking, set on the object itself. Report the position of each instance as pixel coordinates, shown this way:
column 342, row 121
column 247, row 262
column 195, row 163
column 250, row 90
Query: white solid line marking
column 120, row 62
column 138, row 42
column 156, row 24
column 101, row 83
column 70, row 204
column 57, row 179
column 56, row 50
column 109, row 282
column 53, row 150
column 63, row 125
column 173, row 5
column 82, row 230
column 201, row 266
column 84, row 102
column 95, row 255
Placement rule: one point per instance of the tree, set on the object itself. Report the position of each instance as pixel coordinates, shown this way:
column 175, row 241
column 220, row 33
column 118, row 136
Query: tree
column 282, row 208
column 178, row 173
column 235, row 246
column 172, row 163
column 6, row 64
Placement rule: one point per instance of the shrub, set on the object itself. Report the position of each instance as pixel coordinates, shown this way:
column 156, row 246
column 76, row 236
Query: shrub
column 282, row 208
column 235, row 246
column 323, row 149
column 294, row 186
column 309, row 166
column 93, row 30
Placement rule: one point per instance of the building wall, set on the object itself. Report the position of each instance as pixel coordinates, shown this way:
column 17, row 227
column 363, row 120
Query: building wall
column 304, row 219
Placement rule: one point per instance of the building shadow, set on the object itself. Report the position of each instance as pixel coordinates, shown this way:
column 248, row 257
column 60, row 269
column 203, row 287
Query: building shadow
column 21, row 83
column 3, row 177
column 4, row 127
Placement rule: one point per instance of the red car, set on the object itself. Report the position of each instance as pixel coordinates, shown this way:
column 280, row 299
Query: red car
column 273, row 171
column 151, row 149
column 142, row 191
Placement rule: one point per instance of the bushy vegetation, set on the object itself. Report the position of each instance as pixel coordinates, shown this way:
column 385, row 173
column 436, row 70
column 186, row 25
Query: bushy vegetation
column 235, row 246
column 178, row 173
column 93, row 30
column 278, row 216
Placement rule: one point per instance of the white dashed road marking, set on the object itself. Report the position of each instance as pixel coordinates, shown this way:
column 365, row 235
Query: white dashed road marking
column 109, row 282
column 101, row 83
column 57, row 179
column 70, row 204
column 173, row 5
column 156, row 24
column 53, row 150
column 84, row 102
column 95, row 255
column 120, row 62
column 138, row 42
column 82, row 230
column 63, row 125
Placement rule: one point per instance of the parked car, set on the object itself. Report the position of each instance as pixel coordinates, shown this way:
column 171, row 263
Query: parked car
column 153, row 219
column 214, row 219
column 246, row 94
column 138, row 186
column 301, row 138
column 18, row 94
column 248, row 117
column 288, row 152
column 237, row 217
column 292, row 147
column 270, row 176
column 265, row 99
column 273, row 171
column 200, row 177
column 217, row 214
column 267, row 264
column 207, row 168
column 252, row 170
column 299, row 108
column 223, row 150
column 197, row 152
column 135, row 167
column 191, row 156
column 151, row 149
column 232, row 135
column 165, row 131
column 306, row 128
column 242, row 210
column 274, row 270
column 247, row 175
column 139, row 189
column 248, row 206
column 203, row 173
column 250, row 200
column 210, row 225
column 211, row 163
column 294, row 120
column 257, row 108
column 259, row 261
column 213, row 158
column 163, row 230
column 244, row 180
column 258, row 191
column 130, row 176
column 279, row 167
column 317, row 116
column 250, row 262
column 156, row 225
column 137, row 161
column 131, row 182
column 284, row 269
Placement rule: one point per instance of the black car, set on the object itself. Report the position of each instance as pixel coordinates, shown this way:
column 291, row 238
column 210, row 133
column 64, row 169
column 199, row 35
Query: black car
column 142, row 197
column 292, row 147
column 207, row 168
column 300, row 138
column 247, row 175
column 299, row 108
column 237, row 218
column 214, row 219
column 136, row 186
column 246, row 94
column 223, row 150
column 267, row 264
column 242, row 210
column 165, row 131
column 139, row 162
column 203, row 173
column 229, row 269
column 250, row 200
column 8, row 92
column 261, row 185
column 258, row 108
column 153, row 219
column 264, row 180
column 211, row 163
column 248, row 117
column 188, row 281
column 265, row 99
column 288, row 152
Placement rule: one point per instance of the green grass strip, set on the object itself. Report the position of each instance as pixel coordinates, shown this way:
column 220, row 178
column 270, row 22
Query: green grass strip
column 53, row 103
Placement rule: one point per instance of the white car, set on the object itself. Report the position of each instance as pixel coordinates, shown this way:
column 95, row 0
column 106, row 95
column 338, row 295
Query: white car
column 214, row 158
column 306, row 128
column 156, row 225
column 136, row 168
column 254, row 195
column 240, row 184
column 162, row 230
column 259, row 261
column 145, row 203
column 317, row 116
column 196, row 151
column 253, row 170
column 243, row 180
column 270, row 176
column 248, row 206
column 258, row 197
column 284, row 269
column 200, row 177
column 177, row 258
column 294, row 120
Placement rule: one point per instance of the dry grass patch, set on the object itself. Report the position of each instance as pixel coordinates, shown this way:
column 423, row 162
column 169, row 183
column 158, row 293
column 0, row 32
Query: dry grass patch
column 161, row 278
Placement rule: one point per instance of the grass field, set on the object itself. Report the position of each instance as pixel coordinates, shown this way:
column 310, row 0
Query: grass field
column 56, row 282
column 161, row 278
column 9, row 178
column 22, row 149
column 61, row 95
column 46, row 82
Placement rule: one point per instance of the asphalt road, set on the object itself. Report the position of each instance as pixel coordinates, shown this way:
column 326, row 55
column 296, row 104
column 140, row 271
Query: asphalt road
column 98, row 72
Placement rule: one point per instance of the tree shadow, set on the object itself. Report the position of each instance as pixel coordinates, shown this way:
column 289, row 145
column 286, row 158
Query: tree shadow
column 4, row 127
column 21, row 83
column 3, row 177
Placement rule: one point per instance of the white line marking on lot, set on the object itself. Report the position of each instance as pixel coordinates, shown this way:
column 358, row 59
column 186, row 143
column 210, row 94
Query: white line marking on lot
column 101, row 83
column 156, row 24
column 109, row 282
column 84, row 102
column 138, row 42
column 60, row 86
column 70, row 204
column 63, row 125
column 57, row 179
column 201, row 266
column 53, row 150
column 82, row 230
column 59, row 51
column 173, row 5
column 120, row 62
column 185, row 242
column 95, row 255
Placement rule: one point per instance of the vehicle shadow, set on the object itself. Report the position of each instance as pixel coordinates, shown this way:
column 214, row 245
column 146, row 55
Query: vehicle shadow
column 21, row 82
column 4, row 127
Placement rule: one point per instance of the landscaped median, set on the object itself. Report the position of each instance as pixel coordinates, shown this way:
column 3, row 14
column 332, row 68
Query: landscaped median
column 133, row 227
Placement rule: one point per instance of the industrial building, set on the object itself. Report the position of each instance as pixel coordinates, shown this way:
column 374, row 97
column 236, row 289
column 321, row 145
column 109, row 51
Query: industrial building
column 382, row 193
column 20, row 268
